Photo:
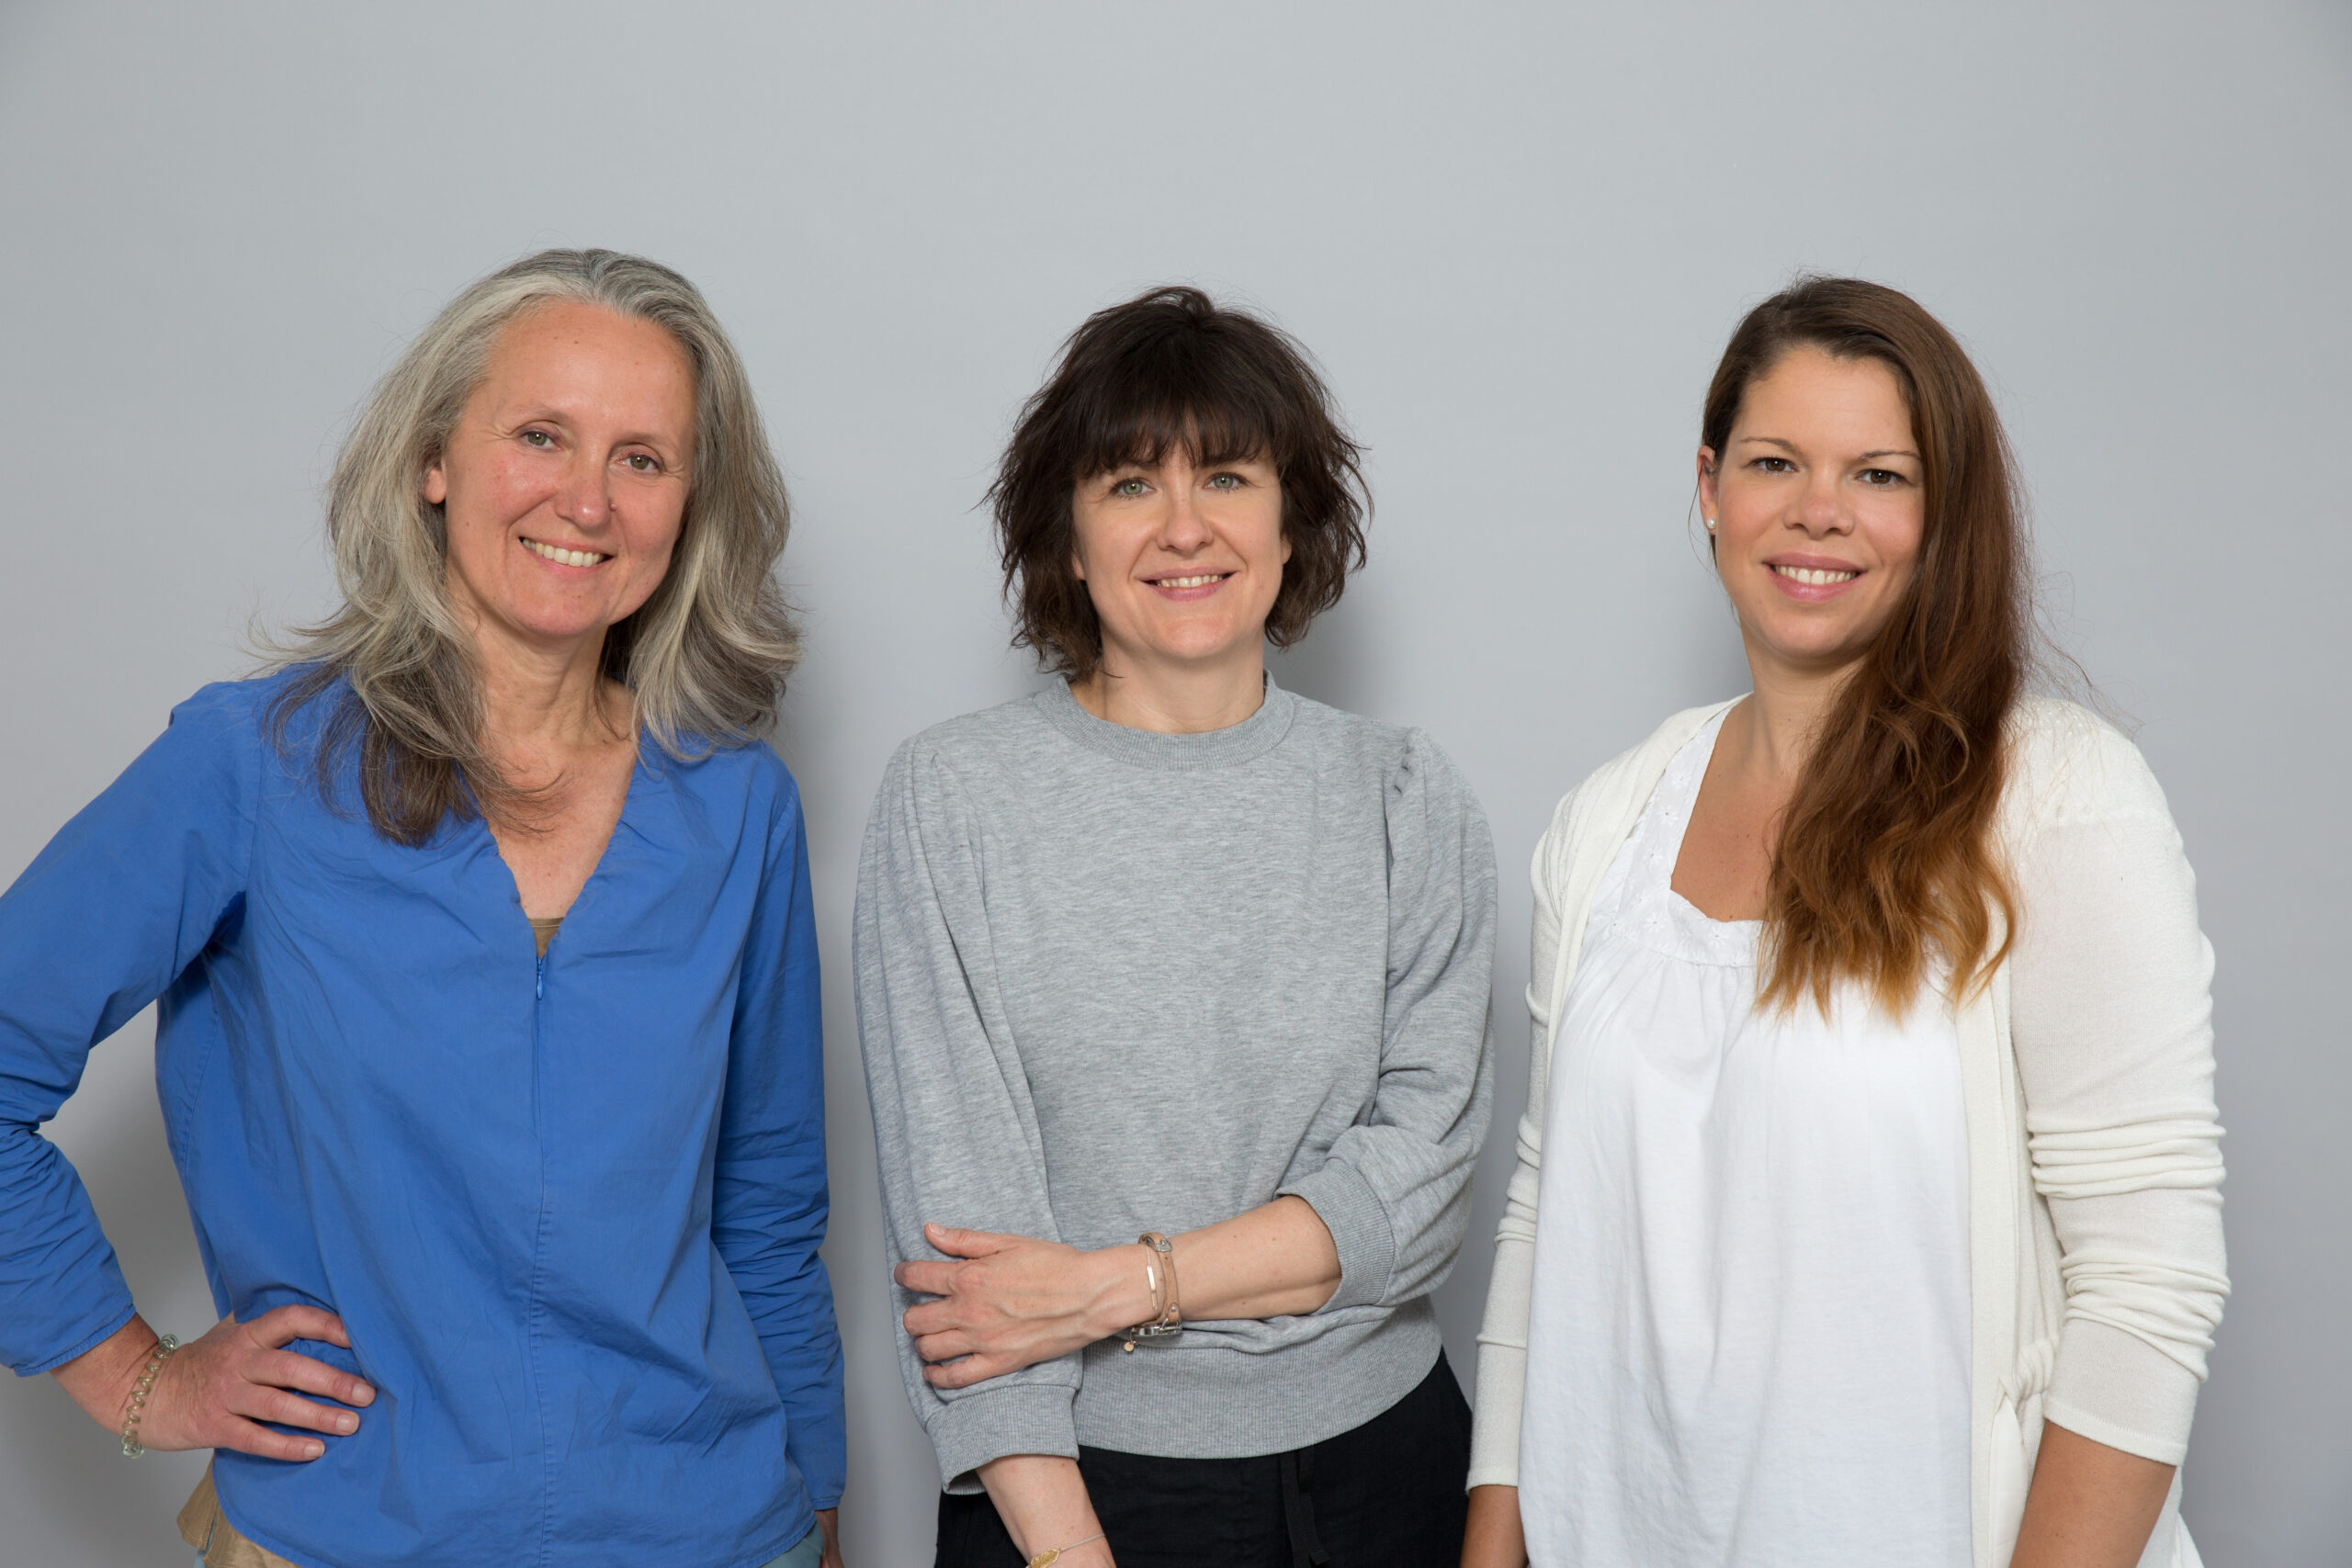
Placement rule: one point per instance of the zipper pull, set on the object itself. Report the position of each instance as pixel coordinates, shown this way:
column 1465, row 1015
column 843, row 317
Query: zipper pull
column 540, row 981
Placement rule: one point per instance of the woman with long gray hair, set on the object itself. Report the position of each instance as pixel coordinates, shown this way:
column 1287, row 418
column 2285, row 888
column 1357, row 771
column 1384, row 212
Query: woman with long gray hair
column 488, row 1043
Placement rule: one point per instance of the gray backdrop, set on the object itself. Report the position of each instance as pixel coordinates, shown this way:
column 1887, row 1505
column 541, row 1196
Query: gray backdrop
column 1516, row 235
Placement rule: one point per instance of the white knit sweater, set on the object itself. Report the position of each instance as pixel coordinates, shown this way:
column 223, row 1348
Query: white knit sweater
column 2097, row 1271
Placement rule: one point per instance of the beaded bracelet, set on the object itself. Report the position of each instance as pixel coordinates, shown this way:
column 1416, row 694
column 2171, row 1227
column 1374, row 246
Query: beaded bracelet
column 131, row 1447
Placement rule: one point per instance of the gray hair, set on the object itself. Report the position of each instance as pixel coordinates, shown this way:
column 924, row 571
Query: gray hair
column 706, row 655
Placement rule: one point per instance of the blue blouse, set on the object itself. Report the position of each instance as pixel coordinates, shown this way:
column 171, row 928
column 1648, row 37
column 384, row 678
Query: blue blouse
column 567, row 1207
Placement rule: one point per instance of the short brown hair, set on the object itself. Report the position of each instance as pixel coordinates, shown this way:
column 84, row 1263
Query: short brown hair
column 1171, row 368
column 1887, row 854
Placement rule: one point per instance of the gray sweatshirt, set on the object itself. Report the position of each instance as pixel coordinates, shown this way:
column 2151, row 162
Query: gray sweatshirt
column 1112, row 981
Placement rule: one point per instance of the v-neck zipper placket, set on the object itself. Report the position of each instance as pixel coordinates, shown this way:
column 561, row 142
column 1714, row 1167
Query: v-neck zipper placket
column 537, row 1295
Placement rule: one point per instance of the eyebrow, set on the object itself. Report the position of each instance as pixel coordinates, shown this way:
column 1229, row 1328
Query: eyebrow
column 1860, row 458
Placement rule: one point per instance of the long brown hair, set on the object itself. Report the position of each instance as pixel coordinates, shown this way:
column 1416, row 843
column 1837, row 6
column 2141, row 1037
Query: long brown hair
column 1886, row 858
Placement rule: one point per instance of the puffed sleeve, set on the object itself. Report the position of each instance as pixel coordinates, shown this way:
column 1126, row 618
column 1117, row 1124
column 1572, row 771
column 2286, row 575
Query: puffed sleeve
column 955, row 1132
column 124, row 898
column 769, row 1201
column 1395, row 1189
column 2111, row 1020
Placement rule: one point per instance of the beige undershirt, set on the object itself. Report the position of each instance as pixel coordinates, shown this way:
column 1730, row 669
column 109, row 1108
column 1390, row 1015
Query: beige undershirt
column 544, row 929
column 203, row 1526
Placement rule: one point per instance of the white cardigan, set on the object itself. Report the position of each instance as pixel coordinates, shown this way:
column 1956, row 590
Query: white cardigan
column 2097, row 1271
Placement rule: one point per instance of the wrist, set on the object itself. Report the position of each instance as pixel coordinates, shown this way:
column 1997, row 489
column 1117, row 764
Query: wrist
column 100, row 1380
column 1122, row 1289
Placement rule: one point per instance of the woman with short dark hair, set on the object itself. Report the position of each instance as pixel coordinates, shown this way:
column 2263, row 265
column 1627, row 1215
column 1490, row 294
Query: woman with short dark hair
column 1165, row 952
column 1868, row 1209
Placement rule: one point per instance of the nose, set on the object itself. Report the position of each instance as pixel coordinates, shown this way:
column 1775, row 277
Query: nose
column 1820, row 509
column 584, row 498
column 1183, row 529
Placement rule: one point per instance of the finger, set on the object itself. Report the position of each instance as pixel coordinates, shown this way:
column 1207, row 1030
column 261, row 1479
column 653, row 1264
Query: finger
column 284, row 1368
column 280, row 1325
column 927, row 1278
column 286, row 1409
column 965, row 1372
column 966, row 1244
column 252, row 1438
column 944, row 1347
column 933, row 1317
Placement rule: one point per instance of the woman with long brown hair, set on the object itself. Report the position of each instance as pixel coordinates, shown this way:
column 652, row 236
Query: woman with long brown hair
column 1872, row 1046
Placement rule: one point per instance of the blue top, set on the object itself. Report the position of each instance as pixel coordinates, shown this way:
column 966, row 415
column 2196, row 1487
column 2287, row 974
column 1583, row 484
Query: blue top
column 567, row 1207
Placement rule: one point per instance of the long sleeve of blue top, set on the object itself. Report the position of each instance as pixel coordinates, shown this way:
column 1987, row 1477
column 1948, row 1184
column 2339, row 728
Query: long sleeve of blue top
column 567, row 1207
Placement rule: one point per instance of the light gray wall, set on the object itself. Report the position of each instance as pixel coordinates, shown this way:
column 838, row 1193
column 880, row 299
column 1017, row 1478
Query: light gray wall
column 1517, row 236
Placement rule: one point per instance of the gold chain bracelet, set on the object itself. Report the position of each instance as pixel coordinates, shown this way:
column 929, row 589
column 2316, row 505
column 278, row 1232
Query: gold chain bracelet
column 1053, row 1554
column 164, row 1346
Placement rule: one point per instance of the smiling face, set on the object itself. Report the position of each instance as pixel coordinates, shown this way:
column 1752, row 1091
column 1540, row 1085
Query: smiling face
column 1817, row 505
column 1182, row 562
column 565, row 482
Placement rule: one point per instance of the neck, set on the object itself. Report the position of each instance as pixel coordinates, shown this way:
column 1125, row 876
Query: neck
column 542, row 703
column 1187, row 698
column 1772, row 733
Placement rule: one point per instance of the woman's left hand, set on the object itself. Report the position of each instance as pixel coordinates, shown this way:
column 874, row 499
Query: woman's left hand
column 829, row 1533
column 1009, row 1301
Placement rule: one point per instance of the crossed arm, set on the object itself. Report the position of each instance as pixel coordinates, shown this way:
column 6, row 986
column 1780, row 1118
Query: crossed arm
column 1001, row 1303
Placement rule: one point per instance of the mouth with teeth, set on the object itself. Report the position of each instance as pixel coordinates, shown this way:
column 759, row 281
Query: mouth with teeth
column 562, row 556
column 1191, row 585
column 1812, row 579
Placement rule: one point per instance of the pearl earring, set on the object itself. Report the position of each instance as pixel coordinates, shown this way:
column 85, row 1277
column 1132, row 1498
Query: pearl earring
column 1710, row 524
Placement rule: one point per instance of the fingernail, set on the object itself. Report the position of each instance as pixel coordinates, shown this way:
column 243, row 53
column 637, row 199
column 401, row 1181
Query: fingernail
column 346, row 1423
column 313, row 1450
column 362, row 1394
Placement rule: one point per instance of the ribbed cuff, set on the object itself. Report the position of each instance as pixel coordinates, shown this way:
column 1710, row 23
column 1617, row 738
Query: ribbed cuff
column 2116, row 1388
column 1494, row 1417
column 984, row 1424
column 1359, row 1224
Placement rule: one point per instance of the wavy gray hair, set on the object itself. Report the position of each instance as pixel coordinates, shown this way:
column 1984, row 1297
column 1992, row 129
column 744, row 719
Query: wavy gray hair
column 706, row 655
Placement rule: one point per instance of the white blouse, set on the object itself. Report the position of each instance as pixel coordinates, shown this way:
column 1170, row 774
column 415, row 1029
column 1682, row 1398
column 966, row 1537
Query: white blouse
column 1750, row 1333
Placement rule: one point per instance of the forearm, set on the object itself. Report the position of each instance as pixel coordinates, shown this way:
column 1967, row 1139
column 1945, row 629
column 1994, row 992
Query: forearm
column 99, row 1379
column 1277, row 1261
column 1494, row 1536
column 2090, row 1506
column 1044, row 1504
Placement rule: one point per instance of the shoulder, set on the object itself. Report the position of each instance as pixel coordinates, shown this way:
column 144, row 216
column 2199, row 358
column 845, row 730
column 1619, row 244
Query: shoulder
column 2065, row 763
column 749, row 768
column 1408, row 762
column 1624, row 782
column 237, row 703
column 232, row 719
column 972, row 751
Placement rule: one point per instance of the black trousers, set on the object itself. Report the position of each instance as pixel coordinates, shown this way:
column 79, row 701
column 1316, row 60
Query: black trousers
column 1388, row 1494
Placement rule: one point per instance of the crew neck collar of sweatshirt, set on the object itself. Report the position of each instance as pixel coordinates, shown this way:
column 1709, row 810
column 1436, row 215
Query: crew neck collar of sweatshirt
column 1243, row 742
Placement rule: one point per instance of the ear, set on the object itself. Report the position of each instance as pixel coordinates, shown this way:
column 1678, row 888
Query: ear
column 1707, row 486
column 436, row 484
